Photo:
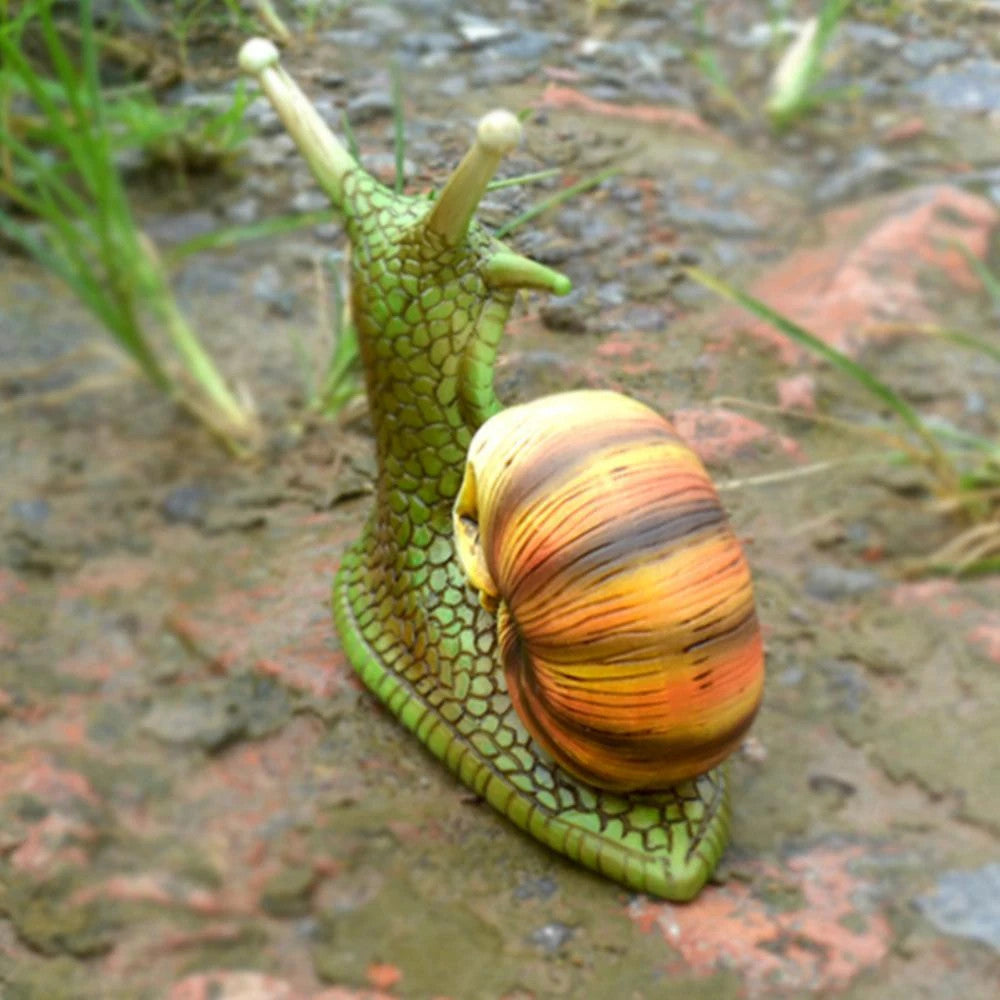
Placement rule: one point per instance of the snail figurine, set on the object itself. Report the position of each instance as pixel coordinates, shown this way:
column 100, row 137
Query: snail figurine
column 548, row 596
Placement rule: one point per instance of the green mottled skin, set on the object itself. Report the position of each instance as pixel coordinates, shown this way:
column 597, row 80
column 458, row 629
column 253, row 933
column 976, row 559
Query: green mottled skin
column 428, row 323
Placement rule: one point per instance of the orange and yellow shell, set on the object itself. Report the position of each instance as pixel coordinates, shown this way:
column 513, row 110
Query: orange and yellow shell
column 625, row 611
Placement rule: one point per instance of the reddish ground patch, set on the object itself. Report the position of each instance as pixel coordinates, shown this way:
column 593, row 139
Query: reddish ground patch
column 557, row 96
column 66, row 835
column 797, row 393
column 801, row 927
column 228, row 985
column 280, row 627
column 951, row 602
column 868, row 268
column 719, row 435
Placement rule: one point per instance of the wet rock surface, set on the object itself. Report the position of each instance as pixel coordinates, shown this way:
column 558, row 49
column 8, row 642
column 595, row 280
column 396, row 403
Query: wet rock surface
column 197, row 799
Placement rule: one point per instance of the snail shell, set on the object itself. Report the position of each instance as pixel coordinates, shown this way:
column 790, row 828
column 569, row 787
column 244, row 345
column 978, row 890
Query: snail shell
column 625, row 612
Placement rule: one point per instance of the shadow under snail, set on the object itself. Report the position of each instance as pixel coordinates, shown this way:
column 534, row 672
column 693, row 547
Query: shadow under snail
column 548, row 596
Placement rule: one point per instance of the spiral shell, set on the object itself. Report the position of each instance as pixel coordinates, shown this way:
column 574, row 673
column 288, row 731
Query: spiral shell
column 625, row 611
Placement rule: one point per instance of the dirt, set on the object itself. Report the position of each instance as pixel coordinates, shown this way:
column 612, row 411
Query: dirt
column 198, row 799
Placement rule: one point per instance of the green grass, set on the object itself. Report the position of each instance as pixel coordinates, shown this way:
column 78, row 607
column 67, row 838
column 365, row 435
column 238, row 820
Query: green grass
column 68, row 209
column 795, row 85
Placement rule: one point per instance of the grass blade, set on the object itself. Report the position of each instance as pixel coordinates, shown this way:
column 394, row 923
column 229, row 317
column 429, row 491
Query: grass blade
column 797, row 334
column 398, row 128
column 231, row 236
column 989, row 280
column 557, row 199
column 537, row 175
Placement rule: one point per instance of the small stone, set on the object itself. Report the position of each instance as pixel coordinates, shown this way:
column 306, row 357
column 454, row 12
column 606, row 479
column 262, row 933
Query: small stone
column 369, row 106
column 379, row 17
column 927, row 52
column 871, row 170
column 525, row 47
column 243, row 212
column 500, row 72
column 972, row 86
column 567, row 315
column 215, row 714
column 477, row 31
column 311, row 200
column 872, row 34
column 429, row 42
column 551, row 937
column 271, row 289
column 536, row 888
column 722, row 221
column 34, row 511
column 185, row 504
column 270, row 152
column 260, row 115
column 354, row 38
column 181, row 226
column 966, row 904
column 832, row 583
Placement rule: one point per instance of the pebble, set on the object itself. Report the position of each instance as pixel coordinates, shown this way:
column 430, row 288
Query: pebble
column 34, row 511
column 925, row 53
column 966, row 904
column 181, row 226
column 536, row 888
column 612, row 293
column 270, row 287
column 429, row 43
column 721, row 221
column 551, row 937
column 500, row 72
column 379, row 17
column 763, row 34
column 477, row 31
column 972, row 86
column 526, row 46
column 265, row 153
column 217, row 713
column 186, row 504
column 872, row 34
column 568, row 314
column 354, row 38
column 244, row 211
column 870, row 170
column 369, row 106
column 310, row 200
column 832, row 583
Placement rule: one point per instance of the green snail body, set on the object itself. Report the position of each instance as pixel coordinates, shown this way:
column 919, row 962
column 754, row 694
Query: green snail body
column 430, row 293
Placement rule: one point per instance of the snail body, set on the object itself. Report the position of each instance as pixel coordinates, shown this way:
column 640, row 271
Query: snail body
column 430, row 291
column 626, row 622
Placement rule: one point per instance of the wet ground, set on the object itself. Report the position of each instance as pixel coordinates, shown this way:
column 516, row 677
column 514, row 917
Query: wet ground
column 197, row 799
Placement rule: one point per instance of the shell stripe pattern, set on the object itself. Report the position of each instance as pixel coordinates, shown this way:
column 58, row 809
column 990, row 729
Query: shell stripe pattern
column 627, row 620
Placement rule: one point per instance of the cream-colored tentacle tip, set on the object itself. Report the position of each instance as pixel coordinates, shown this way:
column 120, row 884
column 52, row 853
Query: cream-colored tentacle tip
column 257, row 55
column 498, row 132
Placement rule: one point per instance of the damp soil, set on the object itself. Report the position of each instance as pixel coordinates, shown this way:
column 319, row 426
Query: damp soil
column 192, row 782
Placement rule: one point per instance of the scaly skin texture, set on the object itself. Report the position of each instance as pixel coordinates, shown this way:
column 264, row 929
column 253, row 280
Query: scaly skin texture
column 429, row 313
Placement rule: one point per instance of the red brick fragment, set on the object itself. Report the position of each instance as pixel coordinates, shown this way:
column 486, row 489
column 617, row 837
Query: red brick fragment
column 382, row 975
column 718, row 435
column 868, row 267
column 798, row 393
column 804, row 925
column 556, row 96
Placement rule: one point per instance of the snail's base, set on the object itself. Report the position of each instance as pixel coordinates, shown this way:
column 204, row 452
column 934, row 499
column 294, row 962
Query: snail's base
column 667, row 844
